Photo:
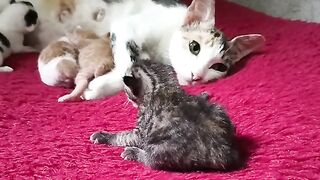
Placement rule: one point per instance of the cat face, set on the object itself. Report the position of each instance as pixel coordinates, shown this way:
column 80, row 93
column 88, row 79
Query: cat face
column 200, row 53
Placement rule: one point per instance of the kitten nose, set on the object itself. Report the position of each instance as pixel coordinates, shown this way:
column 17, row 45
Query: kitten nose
column 196, row 78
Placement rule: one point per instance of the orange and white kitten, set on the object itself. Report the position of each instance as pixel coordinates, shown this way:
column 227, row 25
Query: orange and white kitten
column 95, row 59
column 58, row 64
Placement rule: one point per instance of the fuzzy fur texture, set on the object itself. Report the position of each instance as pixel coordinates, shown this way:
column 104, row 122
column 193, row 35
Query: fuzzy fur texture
column 273, row 99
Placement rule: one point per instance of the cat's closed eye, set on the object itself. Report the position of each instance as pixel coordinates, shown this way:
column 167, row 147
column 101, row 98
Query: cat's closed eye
column 219, row 67
column 194, row 47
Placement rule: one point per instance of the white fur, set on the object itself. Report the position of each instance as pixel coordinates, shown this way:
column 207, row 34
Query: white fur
column 154, row 26
column 14, row 30
column 49, row 73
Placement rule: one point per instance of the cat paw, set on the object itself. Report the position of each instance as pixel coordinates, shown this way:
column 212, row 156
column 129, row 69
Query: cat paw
column 68, row 98
column 100, row 138
column 205, row 96
column 130, row 153
column 6, row 69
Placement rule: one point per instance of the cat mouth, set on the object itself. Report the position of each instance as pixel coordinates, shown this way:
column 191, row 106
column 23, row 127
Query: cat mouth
column 219, row 67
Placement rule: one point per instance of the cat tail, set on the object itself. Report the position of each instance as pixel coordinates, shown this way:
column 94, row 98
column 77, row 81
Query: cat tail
column 68, row 70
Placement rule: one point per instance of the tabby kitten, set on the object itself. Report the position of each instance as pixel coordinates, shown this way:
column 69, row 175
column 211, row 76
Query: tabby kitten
column 175, row 131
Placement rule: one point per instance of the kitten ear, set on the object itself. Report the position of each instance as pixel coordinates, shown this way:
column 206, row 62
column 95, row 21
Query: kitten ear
column 132, row 83
column 243, row 45
column 200, row 11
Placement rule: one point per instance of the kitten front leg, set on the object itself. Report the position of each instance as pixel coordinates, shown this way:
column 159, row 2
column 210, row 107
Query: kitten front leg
column 128, row 138
column 111, row 83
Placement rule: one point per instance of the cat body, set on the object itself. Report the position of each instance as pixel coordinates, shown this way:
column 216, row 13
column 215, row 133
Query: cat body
column 167, row 31
column 12, row 31
column 94, row 59
column 57, row 63
column 175, row 131
column 171, row 35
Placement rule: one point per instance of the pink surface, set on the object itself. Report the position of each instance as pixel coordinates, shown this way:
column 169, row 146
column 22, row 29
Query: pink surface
column 273, row 99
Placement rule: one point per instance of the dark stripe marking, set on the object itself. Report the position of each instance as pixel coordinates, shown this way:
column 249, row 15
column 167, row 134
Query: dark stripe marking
column 4, row 40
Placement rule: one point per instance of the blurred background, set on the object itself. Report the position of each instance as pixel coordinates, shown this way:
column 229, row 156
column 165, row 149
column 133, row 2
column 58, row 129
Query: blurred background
column 306, row 10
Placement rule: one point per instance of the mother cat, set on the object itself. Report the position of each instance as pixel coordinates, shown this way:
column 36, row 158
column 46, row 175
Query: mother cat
column 174, row 34
column 184, row 37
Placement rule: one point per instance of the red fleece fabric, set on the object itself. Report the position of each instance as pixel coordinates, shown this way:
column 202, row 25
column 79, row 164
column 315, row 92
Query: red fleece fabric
column 272, row 97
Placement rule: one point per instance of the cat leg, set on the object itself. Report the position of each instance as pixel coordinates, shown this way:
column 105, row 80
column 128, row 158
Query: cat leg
column 127, row 138
column 81, row 81
column 111, row 83
column 134, row 154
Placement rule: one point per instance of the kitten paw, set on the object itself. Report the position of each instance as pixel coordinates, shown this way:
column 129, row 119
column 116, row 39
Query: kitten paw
column 68, row 98
column 130, row 153
column 6, row 69
column 100, row 138
column 205, row 95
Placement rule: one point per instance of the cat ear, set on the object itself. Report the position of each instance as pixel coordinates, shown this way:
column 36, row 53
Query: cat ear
column 243, row 45
column 132, row 83
column 200, row 11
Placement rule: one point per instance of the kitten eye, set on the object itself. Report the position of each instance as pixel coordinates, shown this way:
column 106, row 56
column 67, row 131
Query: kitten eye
column 219, row 67
column 194, row 47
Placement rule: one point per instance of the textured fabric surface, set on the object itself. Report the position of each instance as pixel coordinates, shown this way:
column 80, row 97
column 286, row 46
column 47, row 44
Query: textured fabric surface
column 273, row 99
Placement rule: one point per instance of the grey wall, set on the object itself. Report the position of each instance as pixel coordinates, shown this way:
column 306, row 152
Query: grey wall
column 307, row 10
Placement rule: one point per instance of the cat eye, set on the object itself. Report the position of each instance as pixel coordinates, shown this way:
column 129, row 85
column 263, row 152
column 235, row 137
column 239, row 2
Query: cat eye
column 194, row 47
column 219, row 67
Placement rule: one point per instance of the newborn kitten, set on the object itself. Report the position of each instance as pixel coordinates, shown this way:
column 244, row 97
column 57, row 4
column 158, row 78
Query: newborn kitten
column 95, row 59
column 175, row 131
column 57, row 63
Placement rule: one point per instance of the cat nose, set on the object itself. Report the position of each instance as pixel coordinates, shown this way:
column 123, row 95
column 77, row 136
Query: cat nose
column 196, row 78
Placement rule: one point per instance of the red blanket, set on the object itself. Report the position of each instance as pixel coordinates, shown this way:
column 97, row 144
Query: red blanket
column 273, row 99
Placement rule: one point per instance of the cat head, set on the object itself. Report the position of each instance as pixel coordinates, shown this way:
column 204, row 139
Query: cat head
column 200, row 53
column 25, row 17
column 145, row 78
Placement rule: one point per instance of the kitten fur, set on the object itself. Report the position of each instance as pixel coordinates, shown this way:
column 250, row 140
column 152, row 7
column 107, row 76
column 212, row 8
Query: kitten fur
column 58, row 62
column 150, row 24
column 12, row 32
column 57, row 16
column 175, row 131
column 95, row 59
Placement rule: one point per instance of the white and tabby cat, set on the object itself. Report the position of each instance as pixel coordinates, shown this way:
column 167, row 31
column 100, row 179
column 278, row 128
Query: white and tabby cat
column 173, row 34
column 167, row 30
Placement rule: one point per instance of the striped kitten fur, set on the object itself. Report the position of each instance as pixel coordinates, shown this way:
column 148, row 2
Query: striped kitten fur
column 174, row 131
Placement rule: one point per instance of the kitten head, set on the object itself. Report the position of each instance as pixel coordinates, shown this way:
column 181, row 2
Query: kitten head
column 199, row 52
column 25, row 17
column 145, row 78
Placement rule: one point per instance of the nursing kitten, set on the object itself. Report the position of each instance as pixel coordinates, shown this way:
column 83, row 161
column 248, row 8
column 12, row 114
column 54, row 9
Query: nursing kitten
column 173, row 34
column 174, row 131
column 58, row 62
column 12, row 31
column 95, row 59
